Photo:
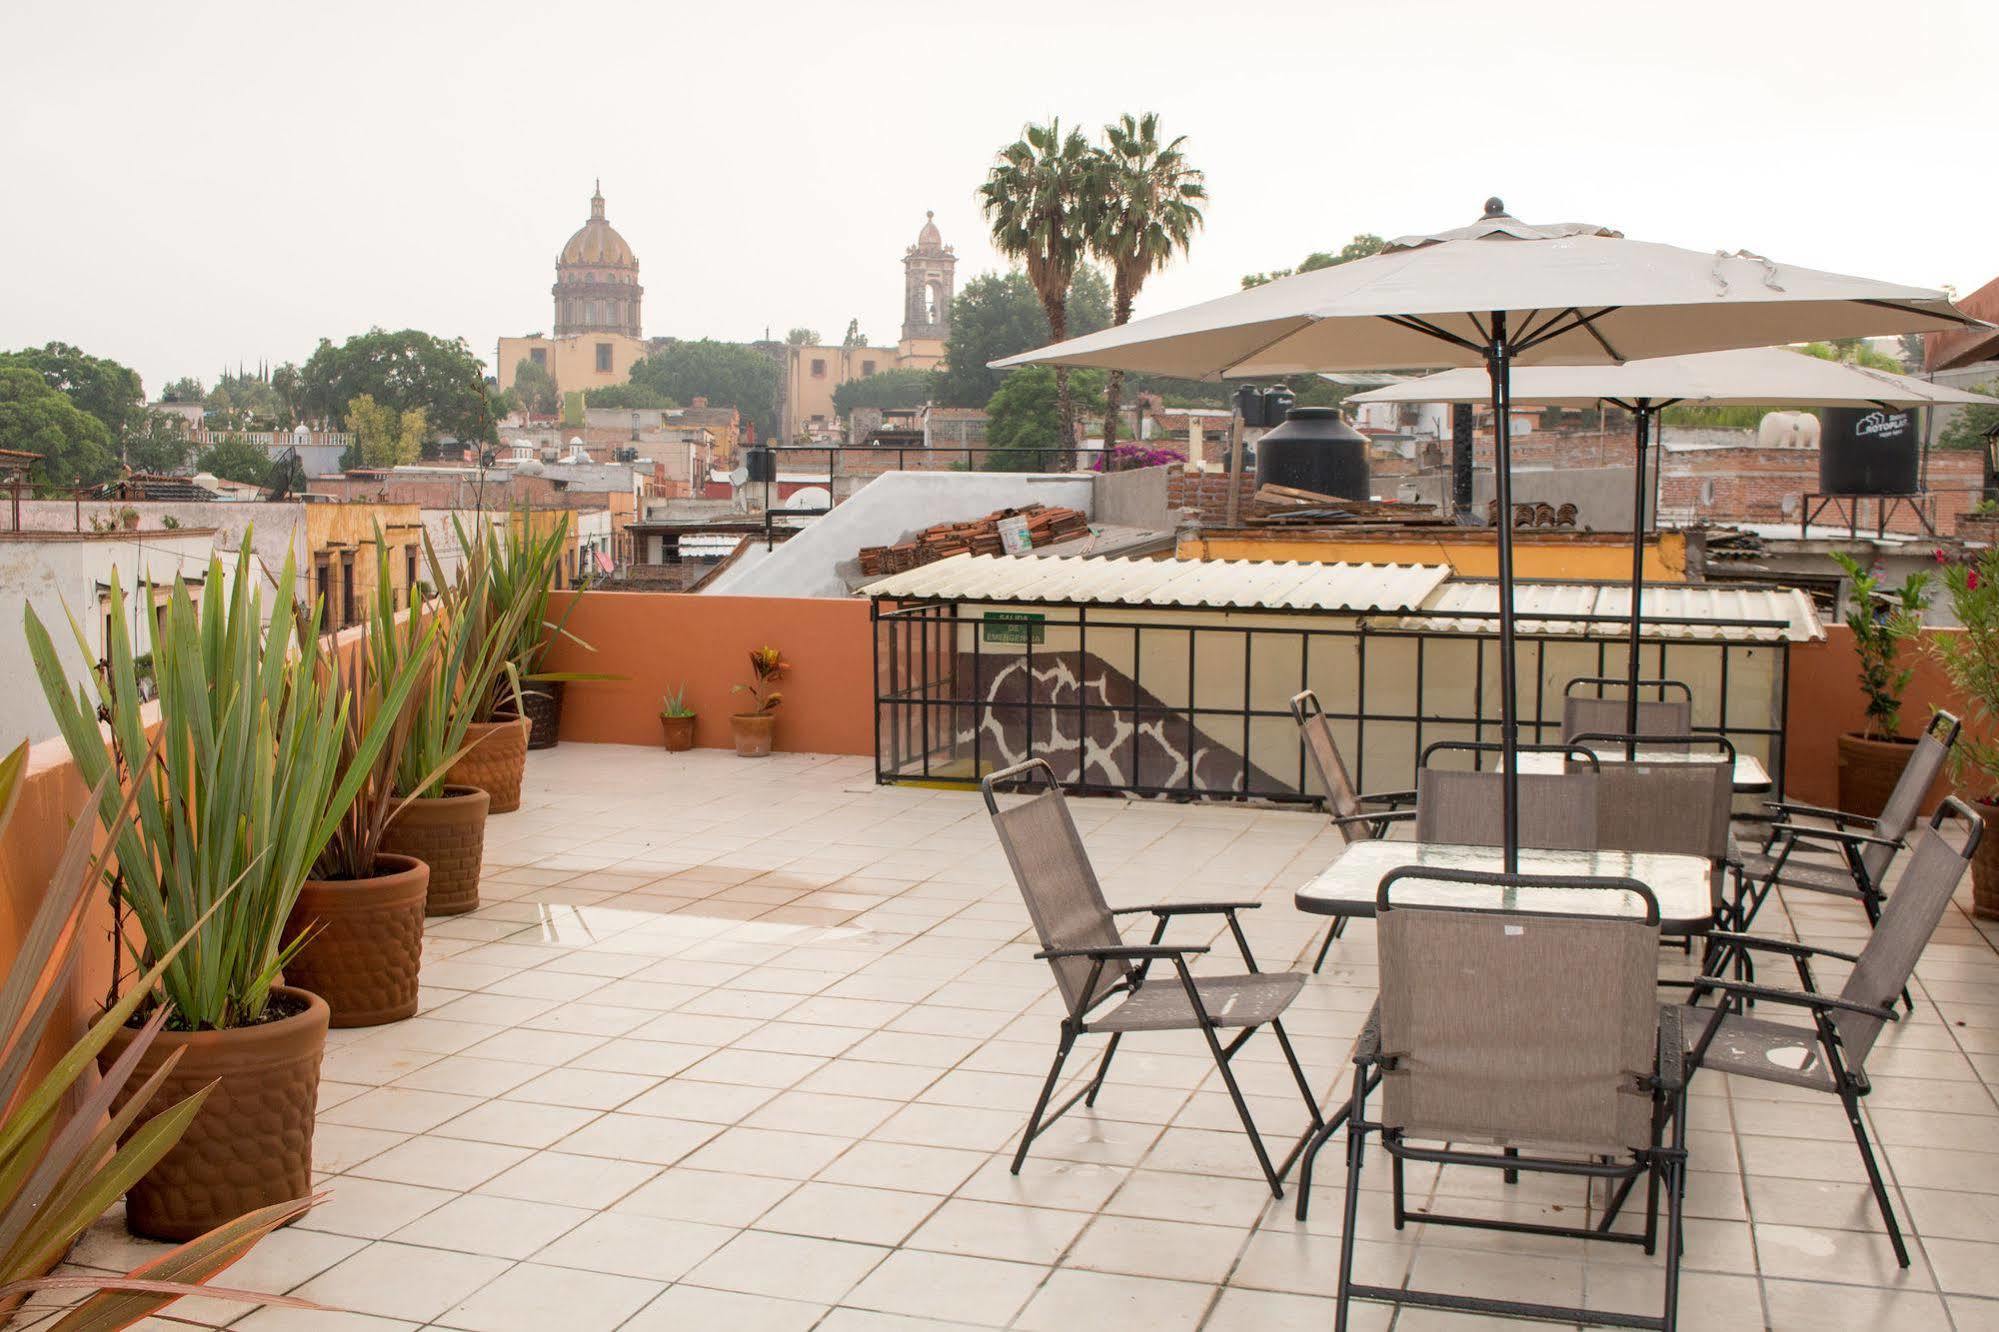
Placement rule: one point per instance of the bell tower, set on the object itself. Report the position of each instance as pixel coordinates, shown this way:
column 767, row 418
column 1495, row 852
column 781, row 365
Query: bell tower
column 928, row 269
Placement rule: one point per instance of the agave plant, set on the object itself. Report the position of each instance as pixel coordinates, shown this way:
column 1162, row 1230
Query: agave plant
column 524, row 568
column 59, row 1172
column 246, row 791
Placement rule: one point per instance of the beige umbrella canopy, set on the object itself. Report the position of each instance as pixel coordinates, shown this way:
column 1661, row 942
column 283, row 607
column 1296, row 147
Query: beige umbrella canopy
column 1498, row 292
column 1758, row 376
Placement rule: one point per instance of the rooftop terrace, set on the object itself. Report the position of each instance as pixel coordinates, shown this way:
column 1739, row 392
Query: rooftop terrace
column 745, row 1044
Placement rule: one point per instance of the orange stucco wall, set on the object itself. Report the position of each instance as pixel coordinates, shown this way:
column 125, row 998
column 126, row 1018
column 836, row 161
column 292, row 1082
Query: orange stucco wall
column 659, row 641
column 1826, row 701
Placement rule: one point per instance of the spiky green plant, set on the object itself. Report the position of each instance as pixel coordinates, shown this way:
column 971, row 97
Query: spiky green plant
column 59, row 1169
column 243, row 798
column 1878, row 636
column 524, row 568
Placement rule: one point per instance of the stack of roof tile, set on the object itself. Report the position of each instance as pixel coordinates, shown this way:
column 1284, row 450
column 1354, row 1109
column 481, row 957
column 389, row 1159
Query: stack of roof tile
column 979, row 536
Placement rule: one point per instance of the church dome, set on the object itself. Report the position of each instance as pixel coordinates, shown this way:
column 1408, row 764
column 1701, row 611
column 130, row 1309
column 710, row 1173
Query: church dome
column 597, row 243
column 930, row 237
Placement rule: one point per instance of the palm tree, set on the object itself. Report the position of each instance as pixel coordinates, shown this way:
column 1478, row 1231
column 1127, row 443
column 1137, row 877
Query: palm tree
column 1147, row 205
column 1037, row 197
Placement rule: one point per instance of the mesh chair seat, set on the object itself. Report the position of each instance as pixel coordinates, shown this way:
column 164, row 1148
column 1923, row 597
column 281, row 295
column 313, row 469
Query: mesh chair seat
column 1753, row 1047
column 1230, row 1001
column 1812, row 876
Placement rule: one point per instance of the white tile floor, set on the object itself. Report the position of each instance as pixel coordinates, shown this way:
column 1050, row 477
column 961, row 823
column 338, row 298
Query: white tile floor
column 744, row 1045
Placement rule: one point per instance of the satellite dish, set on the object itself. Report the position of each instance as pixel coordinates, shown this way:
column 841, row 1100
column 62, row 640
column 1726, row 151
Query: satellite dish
column 740, row 476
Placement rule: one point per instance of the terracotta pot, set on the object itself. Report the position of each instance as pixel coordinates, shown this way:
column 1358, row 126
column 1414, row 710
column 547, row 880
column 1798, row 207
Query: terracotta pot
column 1868, row 770
column 753, row 733
column 251, row 1145
column 1985, row 864
column 495, row 762
column 678, row 732
column 368, row 943
column 541, row 704
column 447, row 833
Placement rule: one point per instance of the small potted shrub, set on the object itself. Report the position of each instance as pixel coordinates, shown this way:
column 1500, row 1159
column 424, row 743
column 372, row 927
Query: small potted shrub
column 1871, row 760
column 239, row 796
column 753, row 729
column 676, row 721
column 359, row 918
column 1971, row 660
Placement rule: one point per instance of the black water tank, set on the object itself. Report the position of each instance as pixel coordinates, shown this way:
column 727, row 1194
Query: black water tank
column 1867, row 451
column 762, row 463
column 1315, row 450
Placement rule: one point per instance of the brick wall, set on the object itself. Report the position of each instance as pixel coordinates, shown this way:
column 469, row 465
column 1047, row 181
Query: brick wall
column 1768, row 486
column 1206, row 492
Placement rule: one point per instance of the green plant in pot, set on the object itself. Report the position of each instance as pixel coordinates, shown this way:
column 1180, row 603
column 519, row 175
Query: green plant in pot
column 754, row 730
column 64, row 1154
column 1970, row 658
column 1870, row 760
column 676, row 721
column 484, row 682
column 360, row 914
column 524, row 568
column 243, row 795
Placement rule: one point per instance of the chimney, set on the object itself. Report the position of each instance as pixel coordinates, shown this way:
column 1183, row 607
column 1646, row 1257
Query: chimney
column 699, row 402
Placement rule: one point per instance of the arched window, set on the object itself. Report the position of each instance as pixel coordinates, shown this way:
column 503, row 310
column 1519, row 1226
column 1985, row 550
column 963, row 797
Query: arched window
column 589, row 277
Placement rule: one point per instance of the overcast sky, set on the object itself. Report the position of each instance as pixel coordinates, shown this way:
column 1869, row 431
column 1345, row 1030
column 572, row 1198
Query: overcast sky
column 190, row 185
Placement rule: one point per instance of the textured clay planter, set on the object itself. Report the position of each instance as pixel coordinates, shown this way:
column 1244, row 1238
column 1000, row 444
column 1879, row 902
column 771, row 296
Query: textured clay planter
column 753, row 733
column 1868, row 770
column 447, row 833
column 368, row 942
column 251, row 1145
column 541, row 704
column 678, row 733
column 1985, row 864
column 497, row 757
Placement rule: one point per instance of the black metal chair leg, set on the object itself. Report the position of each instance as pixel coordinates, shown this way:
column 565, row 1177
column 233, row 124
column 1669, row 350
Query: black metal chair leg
column 1297, row 1071
column 1356, row 1142
column 1874, row 1180
column 1103, row 1067
column 1041, row 1105
column 1338, row 928
column 1242, row 1110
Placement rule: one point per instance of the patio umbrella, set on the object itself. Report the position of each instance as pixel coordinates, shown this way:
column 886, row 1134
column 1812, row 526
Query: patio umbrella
column 1762, row 376
column 1495, row 293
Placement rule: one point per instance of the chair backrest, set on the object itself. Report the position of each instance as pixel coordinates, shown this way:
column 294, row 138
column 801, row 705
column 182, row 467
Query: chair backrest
column 1317, row 734
column 1557, row 809
column 1905, row 801
column 1518, row 1027
column 1664, row 718
column 1677, row 803
column 1929, row 876
column 1063, row 897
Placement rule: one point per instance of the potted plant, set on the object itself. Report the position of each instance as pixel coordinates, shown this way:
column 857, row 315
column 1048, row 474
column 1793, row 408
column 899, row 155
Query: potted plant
column 753, row 729
column 241, row 799
column 65, row 1151
column 489, row 684
column 359, row 917
column 676, row 721
column 1871, row 760
column 524, row 571
column 1971, row 660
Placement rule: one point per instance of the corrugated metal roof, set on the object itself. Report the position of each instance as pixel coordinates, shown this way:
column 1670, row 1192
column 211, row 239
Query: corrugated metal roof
column 1716, row 612
column 1213, row 584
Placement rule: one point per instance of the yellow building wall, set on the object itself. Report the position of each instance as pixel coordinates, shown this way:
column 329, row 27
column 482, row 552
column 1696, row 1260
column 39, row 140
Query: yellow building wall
column 1471, row 555
column 808, row 395
column 573, row 361
column 340, row 556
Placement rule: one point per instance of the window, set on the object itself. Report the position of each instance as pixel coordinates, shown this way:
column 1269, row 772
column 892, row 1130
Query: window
column 867, row 368
column 346, row 591
column 409, row 576
column 539, row 355
column 603, row 358
column 818, row 367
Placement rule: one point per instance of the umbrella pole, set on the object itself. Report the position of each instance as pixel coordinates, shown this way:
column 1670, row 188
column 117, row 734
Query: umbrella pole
column 1499, row 365
column 1644, row 412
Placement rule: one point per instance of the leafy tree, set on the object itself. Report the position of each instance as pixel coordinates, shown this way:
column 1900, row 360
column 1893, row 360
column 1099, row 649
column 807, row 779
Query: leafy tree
column 383, row 436
column 1854, row 351
column 1026, row 415
column 802, row 337
column 404, row 370
column 1038, row 199
column 727, row 374
column 1148, row 206
column 160, row 446
column 1968, row 429
column 243, row 400
column 1360, row 247
column 288, row 389
column 105, row 389
column 234, row 458
column 76, row 447
column 997, row 315
column 889, row 389
column 630, row 397
column 184, row 389
column 535, row 388
column 853, row 336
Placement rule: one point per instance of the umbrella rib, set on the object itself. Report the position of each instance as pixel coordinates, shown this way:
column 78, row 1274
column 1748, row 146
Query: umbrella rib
column 1585, row 322
column 1949, row 312
column 1424, row 326
column 1223, row 371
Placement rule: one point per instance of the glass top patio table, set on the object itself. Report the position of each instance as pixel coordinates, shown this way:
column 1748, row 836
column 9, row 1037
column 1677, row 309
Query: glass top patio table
column 1751, row 777
column 1681, row 884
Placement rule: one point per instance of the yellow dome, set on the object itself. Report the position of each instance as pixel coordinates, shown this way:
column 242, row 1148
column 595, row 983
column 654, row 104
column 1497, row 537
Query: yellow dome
column 597, row 242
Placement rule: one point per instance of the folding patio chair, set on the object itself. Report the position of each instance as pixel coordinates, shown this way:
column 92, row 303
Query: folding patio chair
column 1670, row 717
column 1557, row 809
column 1104, row 982
column 1860, row 871
column 1673, row 806
column 1534, row 1035
column 1830, row 1055
column 1351, row 818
